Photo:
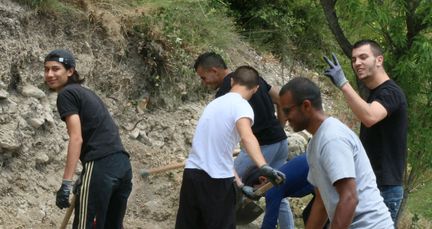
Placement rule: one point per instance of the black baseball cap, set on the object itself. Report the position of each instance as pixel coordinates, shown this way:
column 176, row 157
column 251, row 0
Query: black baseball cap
column 61, row 55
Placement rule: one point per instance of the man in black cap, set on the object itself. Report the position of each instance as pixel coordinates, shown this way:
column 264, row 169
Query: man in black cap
column 94, row 139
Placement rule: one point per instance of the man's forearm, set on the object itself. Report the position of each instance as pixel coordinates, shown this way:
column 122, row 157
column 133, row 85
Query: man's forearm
column 318, row 215
column 74, row 151
column 355, row 102
column 344, row 213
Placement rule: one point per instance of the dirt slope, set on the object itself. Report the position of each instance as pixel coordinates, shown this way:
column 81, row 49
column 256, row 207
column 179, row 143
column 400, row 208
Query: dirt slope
column 33, row 139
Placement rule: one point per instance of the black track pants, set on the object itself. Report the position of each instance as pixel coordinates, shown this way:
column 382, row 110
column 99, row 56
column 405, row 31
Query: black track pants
column 103, row 193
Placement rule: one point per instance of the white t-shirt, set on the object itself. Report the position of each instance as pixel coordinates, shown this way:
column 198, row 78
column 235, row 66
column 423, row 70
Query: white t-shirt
column 335, row 152
column 216, row 135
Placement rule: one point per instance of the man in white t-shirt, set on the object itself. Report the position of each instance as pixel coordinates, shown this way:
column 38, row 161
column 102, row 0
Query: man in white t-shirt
column 346, row 189
column 207, row 196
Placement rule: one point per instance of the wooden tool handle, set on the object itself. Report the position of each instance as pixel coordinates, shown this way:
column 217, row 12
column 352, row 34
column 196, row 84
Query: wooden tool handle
column 68, row 213
column 164, row 168
column 261, row 190
column 176, row 165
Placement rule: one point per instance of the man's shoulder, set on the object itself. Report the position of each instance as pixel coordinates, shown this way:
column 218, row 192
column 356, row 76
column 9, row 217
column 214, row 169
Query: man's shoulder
column 225, row 87
column 390, row 86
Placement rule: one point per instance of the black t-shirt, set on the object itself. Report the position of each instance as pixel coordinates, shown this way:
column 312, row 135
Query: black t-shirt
column 99, row 132
column 386, row 141
column 266, row 127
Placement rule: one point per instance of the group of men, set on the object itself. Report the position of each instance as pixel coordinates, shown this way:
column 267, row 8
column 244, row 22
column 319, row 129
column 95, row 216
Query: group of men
column 356, row 182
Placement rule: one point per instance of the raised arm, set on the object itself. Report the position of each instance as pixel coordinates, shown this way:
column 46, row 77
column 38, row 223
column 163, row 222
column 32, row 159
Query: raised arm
column 368, row 113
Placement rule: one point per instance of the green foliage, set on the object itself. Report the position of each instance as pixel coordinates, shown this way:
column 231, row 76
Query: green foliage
column 208, row 28
column 289, row 29
column 413, row 71
column 183, row 30
column 420, row 200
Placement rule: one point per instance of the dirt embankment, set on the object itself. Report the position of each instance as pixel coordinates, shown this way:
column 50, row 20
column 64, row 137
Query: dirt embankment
column 33, row 139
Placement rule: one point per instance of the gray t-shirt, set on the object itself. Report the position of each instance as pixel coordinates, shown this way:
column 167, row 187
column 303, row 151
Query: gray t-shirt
column 335, row 152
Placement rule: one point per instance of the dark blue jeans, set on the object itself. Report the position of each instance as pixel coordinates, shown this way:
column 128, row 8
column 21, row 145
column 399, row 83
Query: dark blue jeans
column 393, row 195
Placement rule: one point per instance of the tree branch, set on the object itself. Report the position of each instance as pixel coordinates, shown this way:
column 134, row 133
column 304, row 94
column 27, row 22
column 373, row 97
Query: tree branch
column 332, row 19
column 412, row 27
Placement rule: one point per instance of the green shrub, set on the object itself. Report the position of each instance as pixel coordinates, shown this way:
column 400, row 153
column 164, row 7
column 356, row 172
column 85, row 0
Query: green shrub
column 289, row 29
column 51, row 7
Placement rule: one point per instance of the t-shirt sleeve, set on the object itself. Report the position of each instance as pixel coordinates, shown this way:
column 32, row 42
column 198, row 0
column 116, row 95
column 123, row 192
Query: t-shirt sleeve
column 67, row 104
column 337, row 159
column 244, row 110
column 391, row 99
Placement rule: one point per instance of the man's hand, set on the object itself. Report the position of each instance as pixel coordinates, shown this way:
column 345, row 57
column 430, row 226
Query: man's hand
column 62, row 197
column 248, row 191
column 276, row 177
column 335, row 72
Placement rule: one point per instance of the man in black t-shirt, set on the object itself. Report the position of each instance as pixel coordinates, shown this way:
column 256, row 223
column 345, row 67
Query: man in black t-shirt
column 384, row 118
column 105, row 182
column 268, row 129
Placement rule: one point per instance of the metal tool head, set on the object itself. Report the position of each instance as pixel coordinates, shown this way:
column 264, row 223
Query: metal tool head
column 247, row 212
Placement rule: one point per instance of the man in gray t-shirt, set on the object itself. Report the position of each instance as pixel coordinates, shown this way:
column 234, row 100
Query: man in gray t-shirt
column 346, row 189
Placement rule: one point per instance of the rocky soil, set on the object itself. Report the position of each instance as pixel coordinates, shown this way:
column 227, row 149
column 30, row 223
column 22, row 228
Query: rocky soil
column 33, row 139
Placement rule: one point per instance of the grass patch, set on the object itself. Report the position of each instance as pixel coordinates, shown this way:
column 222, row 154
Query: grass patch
column 191, row 24
column 420, row 201
column 178, row 31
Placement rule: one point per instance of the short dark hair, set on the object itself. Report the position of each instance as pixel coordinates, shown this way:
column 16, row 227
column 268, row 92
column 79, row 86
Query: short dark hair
column 302, row 89
column 376, row 49
column 246, row 76
column 209, row 60
column 68, row 61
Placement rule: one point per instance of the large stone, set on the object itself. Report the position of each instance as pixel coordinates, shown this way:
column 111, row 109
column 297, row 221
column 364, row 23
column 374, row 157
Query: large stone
column 32, row 91
column 49, row 118
column 3, row 94
column 134, row 134
column 42, row 158
column 8, row 138
column 297, row 143
column 8, row 106
column 36, row 122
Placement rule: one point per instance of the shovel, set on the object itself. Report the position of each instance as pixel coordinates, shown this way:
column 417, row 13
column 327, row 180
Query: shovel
column 248, row 210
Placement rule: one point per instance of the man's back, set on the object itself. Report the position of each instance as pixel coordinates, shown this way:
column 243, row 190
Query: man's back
column 266, row 128
column 216, row 135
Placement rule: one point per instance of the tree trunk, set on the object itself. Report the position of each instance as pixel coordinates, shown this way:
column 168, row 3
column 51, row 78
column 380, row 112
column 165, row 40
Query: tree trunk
column 333, row 22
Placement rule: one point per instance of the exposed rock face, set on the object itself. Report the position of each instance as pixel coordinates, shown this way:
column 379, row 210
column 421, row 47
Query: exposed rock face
column 33, row 139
